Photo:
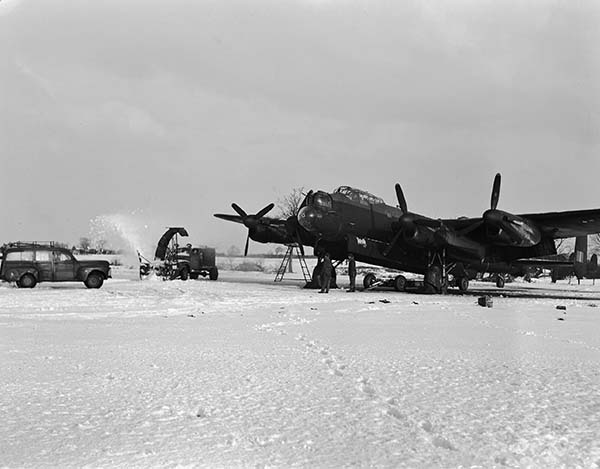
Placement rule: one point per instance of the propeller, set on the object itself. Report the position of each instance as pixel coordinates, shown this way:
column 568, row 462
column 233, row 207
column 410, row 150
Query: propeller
column 293, row 227
column 406, row 220
column 495, row 192
column 490, row 216
column 250, row 221
column 401, row 199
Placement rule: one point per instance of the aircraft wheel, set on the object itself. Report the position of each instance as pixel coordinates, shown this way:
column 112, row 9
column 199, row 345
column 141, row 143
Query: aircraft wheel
column 400, row 283
column 463, row 284
column 500, row 282
column 194, row 275
column 27, row 281
column 369, row 280
column 213, row 273
column 185, row 274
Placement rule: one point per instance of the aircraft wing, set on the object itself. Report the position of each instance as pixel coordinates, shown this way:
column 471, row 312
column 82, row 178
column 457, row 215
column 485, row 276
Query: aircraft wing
column 567, row 224
column 463, row 223
column 552, row 224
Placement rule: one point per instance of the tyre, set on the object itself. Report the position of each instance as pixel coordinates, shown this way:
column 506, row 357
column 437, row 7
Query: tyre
column 463, row 284
column 185, row 274
column 500, row 282
column 213, row 273
column 27, row 281
column 400, row 283
column 194, row 275
column 369, row 280
column 94, row 280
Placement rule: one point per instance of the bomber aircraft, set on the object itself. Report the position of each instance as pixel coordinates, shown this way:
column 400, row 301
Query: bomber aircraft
column 444, row 251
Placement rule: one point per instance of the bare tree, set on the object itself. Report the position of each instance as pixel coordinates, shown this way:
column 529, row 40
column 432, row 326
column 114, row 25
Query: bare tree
column 594, row 244
column 289, row 205
column 233, row 251
column 100, row 245
column 84, row 243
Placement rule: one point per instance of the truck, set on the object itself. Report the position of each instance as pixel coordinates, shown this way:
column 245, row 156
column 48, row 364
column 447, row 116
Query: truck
column 32, row 262
column 173, row 261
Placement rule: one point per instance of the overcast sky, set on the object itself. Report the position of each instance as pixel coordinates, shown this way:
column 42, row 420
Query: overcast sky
column 172, row 110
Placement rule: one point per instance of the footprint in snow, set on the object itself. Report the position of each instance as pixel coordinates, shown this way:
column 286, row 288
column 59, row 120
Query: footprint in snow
column 427, row 426
column 365, row 386
column 442, row 442
column 393, row 411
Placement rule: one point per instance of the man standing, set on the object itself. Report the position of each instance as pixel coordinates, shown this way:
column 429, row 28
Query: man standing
column 326, row 268
column 352, row 272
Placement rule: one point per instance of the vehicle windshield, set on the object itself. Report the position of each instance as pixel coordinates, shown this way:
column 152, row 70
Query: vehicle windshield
column 360, row 196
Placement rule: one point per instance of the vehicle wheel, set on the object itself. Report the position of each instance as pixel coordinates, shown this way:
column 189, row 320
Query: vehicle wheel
column 94, row 280
column 500, row 282
column 463, row 284
column 213, row 273
column 185, row 274
column 400, row 283
column 194, row 275
column 369, row 280
column 27, row 281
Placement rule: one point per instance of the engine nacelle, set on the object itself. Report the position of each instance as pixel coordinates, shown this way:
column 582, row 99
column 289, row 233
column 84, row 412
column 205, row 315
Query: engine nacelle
column 419, row 236
column 506, row 229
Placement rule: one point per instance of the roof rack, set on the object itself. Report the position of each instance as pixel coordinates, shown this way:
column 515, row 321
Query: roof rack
column 33, row 244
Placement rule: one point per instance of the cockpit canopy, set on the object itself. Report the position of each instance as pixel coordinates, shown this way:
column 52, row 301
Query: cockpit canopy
column 360, row 196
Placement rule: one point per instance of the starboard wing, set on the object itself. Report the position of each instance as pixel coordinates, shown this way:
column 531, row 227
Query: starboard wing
column 568, row 224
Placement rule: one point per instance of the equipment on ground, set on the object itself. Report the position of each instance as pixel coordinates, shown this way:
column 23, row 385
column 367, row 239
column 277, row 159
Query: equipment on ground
column 173, row 261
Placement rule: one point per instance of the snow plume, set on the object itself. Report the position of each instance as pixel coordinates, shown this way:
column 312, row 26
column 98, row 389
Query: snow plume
column 126, row 232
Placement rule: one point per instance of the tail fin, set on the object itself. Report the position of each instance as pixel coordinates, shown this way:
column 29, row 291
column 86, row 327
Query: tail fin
column 580, row 260
column 593, row 266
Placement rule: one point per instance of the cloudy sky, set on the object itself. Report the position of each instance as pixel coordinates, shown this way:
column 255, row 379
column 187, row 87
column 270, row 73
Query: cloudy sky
column 171, row 110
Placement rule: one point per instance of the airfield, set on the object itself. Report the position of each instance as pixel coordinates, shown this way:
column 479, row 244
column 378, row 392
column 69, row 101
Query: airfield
column 245, row 372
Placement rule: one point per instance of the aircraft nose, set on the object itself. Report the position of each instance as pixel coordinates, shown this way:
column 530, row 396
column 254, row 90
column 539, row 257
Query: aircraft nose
column 308, row 218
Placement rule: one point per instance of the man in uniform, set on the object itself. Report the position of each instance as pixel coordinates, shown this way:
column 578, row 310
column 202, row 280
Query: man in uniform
column 352, row 272
column 326, row 268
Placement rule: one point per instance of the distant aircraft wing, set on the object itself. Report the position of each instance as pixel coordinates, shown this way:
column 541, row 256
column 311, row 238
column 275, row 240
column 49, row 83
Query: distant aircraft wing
column 547, row 263
column 567, row 224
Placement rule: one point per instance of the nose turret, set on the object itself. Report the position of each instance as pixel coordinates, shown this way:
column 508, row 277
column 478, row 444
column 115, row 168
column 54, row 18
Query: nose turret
column 318, row 221
column 309, row 218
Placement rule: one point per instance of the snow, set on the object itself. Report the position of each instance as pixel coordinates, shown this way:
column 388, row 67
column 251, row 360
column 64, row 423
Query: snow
column 245, row 372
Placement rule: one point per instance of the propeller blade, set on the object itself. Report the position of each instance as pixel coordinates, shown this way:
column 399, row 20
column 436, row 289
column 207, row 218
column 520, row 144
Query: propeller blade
column 401, row 199
column 495, row 192
column 224, row 216
column 264, row 211
column 239, row 210
column 300, row 245
column 246, row 247
column 391, row 244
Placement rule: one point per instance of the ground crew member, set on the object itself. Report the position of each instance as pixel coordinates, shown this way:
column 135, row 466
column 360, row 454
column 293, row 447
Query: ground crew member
column 352, row 272
column 326, row 268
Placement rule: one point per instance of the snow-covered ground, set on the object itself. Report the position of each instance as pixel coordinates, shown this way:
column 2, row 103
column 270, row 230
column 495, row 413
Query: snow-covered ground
column 245, row 372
